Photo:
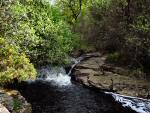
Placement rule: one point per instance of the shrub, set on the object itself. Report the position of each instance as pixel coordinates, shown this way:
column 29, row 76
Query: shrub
column 14, row 65
column 114, row 57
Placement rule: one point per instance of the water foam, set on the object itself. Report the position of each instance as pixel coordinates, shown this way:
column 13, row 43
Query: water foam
column 55, row 75
column 137, row 104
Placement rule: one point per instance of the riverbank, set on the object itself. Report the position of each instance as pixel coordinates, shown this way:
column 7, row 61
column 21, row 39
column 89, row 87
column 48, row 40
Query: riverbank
column 11, row 101
column 94, row 71
column 129, row 91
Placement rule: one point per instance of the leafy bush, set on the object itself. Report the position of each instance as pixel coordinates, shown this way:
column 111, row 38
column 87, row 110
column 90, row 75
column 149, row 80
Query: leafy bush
column 38, row 29
column 14, row 65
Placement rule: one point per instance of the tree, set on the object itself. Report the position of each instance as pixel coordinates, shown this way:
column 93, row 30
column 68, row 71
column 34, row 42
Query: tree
column 39, row 30
column 71, row 9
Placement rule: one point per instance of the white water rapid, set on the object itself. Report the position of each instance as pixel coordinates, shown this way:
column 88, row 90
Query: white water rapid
column 137, row 104
column 57, row 75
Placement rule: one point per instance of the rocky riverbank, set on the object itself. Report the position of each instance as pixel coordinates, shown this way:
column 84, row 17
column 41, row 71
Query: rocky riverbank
column 93, row 71
column 11, row 101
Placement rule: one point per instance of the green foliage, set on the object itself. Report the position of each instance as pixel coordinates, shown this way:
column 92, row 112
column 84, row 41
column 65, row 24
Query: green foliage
column 118, row 26
column 114, row 57
column 39, row 30
column 86, row 48
column 16, row 105
column 72, row 10
column 142, row 23
column 138, row 73
column 32, row 31
column 45, row 32
column 14, row 65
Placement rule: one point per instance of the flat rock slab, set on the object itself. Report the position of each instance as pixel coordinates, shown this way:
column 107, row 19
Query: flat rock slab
column 95, row 72
column 92, row 63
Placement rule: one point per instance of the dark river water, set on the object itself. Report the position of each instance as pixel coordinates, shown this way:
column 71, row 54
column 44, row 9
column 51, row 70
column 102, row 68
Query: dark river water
column 47, row 98
column 54, row 92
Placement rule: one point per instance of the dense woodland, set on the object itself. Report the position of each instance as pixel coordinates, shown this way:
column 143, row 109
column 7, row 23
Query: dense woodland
column 39, row 32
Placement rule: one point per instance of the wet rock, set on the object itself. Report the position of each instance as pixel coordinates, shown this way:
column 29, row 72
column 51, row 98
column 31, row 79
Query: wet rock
column 13, row 101
column 95, row 72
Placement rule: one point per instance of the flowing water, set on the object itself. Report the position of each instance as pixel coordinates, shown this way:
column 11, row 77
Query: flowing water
column 47, row 98
column 53, row 92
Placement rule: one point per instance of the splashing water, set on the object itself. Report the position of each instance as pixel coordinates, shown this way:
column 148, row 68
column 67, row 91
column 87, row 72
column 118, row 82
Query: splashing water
column 55, row 75
column 75, row 62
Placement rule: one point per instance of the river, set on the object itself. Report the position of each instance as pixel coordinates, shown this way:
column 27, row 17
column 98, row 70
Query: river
column 53, row 92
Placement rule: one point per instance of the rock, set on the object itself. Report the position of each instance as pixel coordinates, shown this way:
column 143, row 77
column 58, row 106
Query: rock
column 114, row 69
column 95, row 72
column 3, row 109
column 85, row 72
column 6, row 100
column 105, row 84
column 94, row 54
column 94, row 63
column 14, row 102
